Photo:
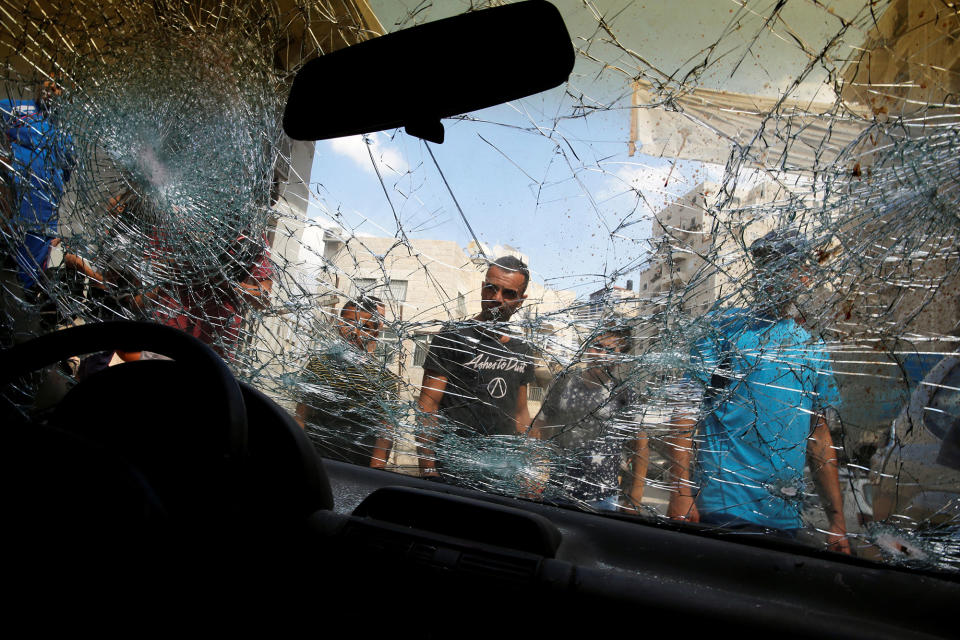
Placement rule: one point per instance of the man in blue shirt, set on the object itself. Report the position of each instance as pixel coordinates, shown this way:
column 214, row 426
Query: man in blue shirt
column 39, row 164
column 766, row 383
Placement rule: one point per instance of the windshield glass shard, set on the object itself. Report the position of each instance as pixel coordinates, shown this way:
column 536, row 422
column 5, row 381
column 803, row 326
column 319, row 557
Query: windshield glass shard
column 711, row 279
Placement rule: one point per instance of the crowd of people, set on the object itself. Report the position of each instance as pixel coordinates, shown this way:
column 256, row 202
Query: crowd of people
column 137, row 269
column 762, row 383
column 758, row 386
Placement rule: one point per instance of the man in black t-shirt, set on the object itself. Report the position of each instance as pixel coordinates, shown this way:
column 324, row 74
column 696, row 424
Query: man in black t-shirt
column 350, row 398
column 475, row 376
column 591, row 414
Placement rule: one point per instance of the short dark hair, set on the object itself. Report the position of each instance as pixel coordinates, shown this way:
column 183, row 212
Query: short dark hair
column 779, row 248
column 515, row 264
column 366, row 304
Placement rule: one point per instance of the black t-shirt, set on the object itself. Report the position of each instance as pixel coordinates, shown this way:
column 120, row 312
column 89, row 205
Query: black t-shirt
column 483, row 376
column 351, row 400
column 592, row 423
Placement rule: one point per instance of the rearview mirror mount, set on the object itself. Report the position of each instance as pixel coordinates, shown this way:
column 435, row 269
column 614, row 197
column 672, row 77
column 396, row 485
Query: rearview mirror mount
column 415, row 77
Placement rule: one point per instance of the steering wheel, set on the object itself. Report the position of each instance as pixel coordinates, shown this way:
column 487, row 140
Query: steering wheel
column 166, row 436
column 181, row 424
column 223, row 392
column 143, row 471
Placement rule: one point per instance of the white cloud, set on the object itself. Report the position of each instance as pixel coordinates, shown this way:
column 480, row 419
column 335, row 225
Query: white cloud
column 655, row 182
column 663, row 183
column 387, row 156
column 354, row 148
column 648, row 178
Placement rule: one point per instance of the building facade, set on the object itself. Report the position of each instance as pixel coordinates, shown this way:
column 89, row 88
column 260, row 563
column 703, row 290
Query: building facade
column 698, row 256
column 426, row 284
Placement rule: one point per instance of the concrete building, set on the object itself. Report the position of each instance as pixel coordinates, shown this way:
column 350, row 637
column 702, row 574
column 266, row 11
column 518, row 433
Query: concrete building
column 425, row 284
column 909, row 275
column 910, row 70
column 910, row 62
column 317, row 30
column 698, row 254
column 609, row 301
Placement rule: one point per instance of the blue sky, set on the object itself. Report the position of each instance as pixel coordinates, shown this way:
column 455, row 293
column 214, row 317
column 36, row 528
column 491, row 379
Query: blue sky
column 542, row 175
column 557, row 194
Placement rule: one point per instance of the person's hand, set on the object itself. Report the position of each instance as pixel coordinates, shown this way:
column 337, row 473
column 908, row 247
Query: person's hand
column 838, row 541
column 533, row 479
column 429, row 472
column 683, row 507
column 624, row 506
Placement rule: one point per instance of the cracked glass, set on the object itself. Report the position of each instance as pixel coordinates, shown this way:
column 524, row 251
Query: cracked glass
column 713, row 278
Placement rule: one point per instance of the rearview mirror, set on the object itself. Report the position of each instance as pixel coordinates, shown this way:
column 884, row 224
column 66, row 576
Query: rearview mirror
column 415, row 77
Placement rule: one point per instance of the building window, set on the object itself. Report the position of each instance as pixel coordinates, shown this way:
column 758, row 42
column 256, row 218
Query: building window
column 388, row 346
column 535, row 394
column 421, row 345
column 389, row 291
column 461, row 305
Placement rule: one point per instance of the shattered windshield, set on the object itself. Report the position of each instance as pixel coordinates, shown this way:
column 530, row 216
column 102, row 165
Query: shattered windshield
column 712, row 279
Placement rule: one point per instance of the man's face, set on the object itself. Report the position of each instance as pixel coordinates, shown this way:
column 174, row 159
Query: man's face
column 604, row 350
column 360, row 328
column 47, row 92
column 117, row 204
column 501, row 294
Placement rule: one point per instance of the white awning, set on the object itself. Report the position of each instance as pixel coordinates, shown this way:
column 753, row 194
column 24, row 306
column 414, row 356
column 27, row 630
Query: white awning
column 709, row 125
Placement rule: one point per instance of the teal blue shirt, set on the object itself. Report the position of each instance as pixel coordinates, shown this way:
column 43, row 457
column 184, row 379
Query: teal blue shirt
column 765, row 380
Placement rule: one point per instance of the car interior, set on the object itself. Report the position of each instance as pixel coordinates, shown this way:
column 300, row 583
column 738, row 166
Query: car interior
column 217, row 506
column 233, row 504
